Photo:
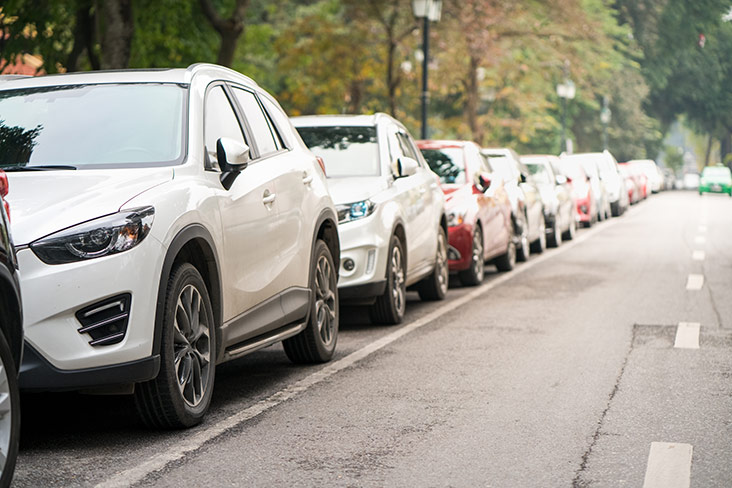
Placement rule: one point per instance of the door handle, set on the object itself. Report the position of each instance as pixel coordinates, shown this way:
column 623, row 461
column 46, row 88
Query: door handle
column 268, row 197
column 306, row 178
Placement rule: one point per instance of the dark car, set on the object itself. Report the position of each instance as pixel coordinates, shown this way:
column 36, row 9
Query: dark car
column 11, row 344
column 526, row 206
column 478, row 209
column 559, row 209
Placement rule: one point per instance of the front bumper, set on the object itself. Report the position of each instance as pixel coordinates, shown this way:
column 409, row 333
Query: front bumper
column 585, row 211
column 364, row 249
column 53, row 294
column 37, row 374
column 460, row 237
column 715, row 188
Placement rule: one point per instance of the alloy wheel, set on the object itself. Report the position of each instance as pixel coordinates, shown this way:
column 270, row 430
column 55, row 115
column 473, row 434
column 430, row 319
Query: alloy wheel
column 441, row 265
column 192, row 351
column 397, row 273
column 325, row 301
column 478, row 262
column 6, row 416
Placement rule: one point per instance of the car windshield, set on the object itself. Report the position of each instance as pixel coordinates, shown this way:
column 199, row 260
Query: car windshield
column 346, row 151
column 107, row 125
column 504, row 167
column 716, row 172
column 448, row 163
column 540, row 173
column 588, row 164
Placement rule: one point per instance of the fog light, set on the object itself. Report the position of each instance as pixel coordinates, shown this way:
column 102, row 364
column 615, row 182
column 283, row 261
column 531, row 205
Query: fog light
column 370, row 261
column 348, row 264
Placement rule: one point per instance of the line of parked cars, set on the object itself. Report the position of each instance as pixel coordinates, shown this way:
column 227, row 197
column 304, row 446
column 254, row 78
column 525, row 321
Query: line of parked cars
column 166, row 221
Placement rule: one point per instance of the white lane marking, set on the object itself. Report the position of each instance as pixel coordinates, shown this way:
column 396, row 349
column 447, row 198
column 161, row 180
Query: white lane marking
column 669, row 465
column 700, row 239
column 196, row 439
column 695, row 282
column 687, row 335
column 702, row 229
column 698, row 255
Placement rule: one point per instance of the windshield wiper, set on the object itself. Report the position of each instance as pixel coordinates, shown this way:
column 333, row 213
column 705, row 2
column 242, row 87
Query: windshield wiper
column 47, row 167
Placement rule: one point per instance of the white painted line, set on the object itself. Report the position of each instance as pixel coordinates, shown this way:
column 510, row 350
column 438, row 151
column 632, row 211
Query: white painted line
column 669, row 465
column 700, row 239
column 695, row 282
column 702, row 229
column 698, row 256
column 195, row 438
column 687, row 335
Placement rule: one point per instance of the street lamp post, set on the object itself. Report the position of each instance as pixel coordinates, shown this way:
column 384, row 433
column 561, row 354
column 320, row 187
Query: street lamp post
column 429, row 11
column 565, row 91
column 605, row 117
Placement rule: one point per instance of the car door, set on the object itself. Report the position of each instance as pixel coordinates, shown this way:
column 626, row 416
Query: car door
column 252, row 229
column 414, row 197
column 490, row 202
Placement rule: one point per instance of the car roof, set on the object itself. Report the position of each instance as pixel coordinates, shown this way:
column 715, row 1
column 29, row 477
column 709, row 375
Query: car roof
column 162, row 75
column 441, row 143
column 331, row 120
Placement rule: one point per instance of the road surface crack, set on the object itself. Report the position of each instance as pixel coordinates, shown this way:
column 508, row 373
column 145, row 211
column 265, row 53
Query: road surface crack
column 578, row 482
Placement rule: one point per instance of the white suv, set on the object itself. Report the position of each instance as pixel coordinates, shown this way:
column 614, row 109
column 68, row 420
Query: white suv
column 391, row 211
column 165, row 221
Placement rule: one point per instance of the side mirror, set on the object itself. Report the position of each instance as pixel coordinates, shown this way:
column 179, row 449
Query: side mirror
column 569, row 180
column 233, row 158
column 483, row 181
column 406, row 166
column 523, row 178
column 561, row 179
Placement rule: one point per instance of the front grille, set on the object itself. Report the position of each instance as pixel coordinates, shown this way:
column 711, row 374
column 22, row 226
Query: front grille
column 106, row 321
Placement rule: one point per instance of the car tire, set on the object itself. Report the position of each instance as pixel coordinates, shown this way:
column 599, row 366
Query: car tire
column 572, row 230
column 9, row 413
column 434, row 287
column 555, row 239
column 317, row 342
column 539, row 245
column 474, row 275
column 523, row 247
column 507, row 260
column 389, row 307
column 180, row 395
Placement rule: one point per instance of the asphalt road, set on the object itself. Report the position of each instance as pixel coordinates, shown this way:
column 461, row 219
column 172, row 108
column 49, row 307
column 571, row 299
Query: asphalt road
column 571, row 370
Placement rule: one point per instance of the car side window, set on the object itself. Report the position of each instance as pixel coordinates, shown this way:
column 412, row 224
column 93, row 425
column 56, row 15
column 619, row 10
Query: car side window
column 219, row 121
column 280, row 123
column 406, row 146
column 257, row 121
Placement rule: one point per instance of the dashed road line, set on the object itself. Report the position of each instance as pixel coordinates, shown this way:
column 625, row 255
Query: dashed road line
column 687, row 335
column 695, row 282
column 196, row 440
column 698, row 255
column 669, row 465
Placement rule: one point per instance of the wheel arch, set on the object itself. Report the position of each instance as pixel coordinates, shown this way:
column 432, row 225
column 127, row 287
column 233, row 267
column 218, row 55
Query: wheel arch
column 194, row 245
column 326, row 229
column 10, row 306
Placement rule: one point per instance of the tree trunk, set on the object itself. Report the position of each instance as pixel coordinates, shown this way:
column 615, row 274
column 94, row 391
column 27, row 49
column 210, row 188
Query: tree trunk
column 709, row 150
column 83, row 38
column 726, row 147
column 118, row 31
column 229, row 29
column 471, row 101
column 391, row 82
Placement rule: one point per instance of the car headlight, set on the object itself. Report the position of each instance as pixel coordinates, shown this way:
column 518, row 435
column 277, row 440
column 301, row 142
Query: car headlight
column 456, row 217
column 107, row 235
column 355, row 211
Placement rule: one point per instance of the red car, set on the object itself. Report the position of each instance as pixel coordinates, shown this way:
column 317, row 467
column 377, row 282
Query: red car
column 478, row 209
column 581, row 191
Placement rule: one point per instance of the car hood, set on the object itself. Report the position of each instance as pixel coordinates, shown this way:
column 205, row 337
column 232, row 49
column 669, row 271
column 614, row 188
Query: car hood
column 455, row 193
column 355, row 189
column 44, row 202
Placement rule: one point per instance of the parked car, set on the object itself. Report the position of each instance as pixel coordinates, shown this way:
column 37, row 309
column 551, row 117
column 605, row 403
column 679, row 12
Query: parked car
column 632, row 183
column 478, row 209
column 716, row 179
column 584, row 198
column 559, row 210
column 652, row 172
column 166, row 221
column 527, row 210
column 11, row 343
column 391, row 211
